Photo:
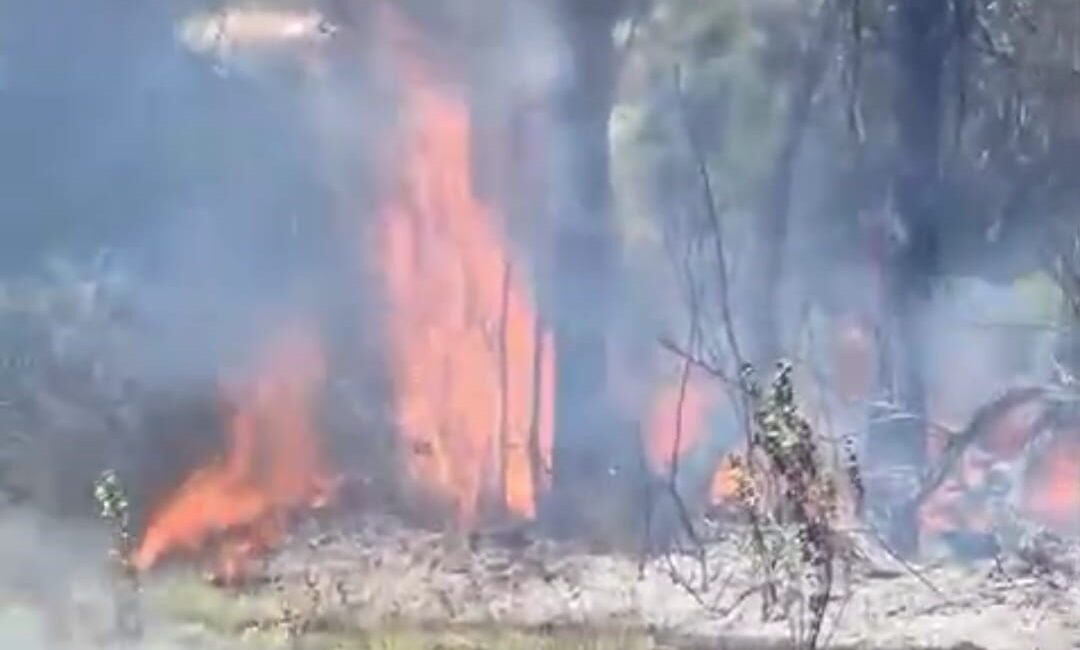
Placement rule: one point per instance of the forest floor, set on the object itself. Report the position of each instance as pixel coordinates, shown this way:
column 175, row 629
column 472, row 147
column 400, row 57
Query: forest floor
column 379, row 584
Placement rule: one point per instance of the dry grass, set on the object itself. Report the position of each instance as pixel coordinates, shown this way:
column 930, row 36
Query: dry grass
column 487, row 639
column 251, row 620
column 187, row 599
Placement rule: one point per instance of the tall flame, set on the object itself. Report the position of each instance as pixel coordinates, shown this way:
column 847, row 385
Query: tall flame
column 273, row 465
column 473, row 391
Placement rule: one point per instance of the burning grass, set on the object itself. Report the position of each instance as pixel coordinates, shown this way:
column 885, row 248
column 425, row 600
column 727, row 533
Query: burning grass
column 240, row 503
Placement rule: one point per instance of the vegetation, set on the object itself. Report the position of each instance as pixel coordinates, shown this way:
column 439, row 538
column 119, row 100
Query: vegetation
column 253, row 620
column 114, row 509
column 727, row 170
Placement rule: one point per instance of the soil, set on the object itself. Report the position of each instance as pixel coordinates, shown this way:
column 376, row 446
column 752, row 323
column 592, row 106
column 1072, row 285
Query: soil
column 379, row 584
column 379, row 571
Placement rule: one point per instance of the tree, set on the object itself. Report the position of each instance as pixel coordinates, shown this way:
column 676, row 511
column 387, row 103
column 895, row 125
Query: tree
column 588, row 444
column 921, row 49
column 771, row 226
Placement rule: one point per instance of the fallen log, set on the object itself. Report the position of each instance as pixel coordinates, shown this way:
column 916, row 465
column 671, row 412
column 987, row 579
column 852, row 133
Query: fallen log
column 982, row 423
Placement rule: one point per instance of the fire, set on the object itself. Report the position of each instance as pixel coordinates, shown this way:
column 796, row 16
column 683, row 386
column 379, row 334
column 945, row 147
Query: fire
column 1052, row 493
column 678, row 423
column 853, row 359
column 273, row 465
column 727, row 482
column 473, row 391
column 1049, row 492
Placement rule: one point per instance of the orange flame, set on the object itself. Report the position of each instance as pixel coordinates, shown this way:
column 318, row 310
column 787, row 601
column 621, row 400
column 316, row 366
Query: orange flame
column 1052, row 493
column 727, row 482
column 274, row 465
column 853, row 359
column 462, row 327
column 677, row 423
column 677, row 419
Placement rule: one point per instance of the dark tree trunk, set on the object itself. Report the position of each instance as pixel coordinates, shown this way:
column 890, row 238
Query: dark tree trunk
column 922, row 38
column 587, row 445
column 772, row 229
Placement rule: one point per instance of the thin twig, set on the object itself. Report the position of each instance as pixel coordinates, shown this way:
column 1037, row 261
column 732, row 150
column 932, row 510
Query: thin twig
column 673, row 487
column 696, row 361
column 504, row 387
column 536, row 457
column 709, row 201
column 910, row 568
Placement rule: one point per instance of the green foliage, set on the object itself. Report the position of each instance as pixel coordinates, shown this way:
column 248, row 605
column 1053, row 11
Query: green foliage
column 731, row 96
column 791, row 498
column 112, row 502
column 786, row 518
column 114, row 508
column 706, row 68
column 1010, row 127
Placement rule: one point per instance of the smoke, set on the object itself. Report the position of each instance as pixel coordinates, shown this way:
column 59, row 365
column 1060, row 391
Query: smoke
column 191, row 183
column 219, row 153
column 210, row 150
column 45, row 570
column 228, row 162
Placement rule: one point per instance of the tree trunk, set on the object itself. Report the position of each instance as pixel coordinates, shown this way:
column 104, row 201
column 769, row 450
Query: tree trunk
column 586, row 449
column 772, row 229
column 921, row 49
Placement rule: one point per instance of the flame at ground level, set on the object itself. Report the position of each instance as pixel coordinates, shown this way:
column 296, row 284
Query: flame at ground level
column 1053, row 488
column 1047, row 493
column 273, row 465
column 678, row 422
column 472, row 368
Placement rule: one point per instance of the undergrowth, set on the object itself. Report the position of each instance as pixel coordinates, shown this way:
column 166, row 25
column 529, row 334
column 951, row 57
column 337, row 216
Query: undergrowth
column 787, row 518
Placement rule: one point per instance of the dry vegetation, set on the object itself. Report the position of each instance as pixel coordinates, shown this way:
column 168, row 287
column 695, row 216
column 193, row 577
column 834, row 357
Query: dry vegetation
column 780, row 569
column 784, row 565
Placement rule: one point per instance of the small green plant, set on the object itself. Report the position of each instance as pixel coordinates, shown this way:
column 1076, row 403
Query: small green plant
column 791, row 498
column 114, row 509
column 788, row 497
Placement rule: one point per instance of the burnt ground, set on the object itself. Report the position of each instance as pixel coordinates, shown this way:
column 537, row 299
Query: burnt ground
column 380, row 584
